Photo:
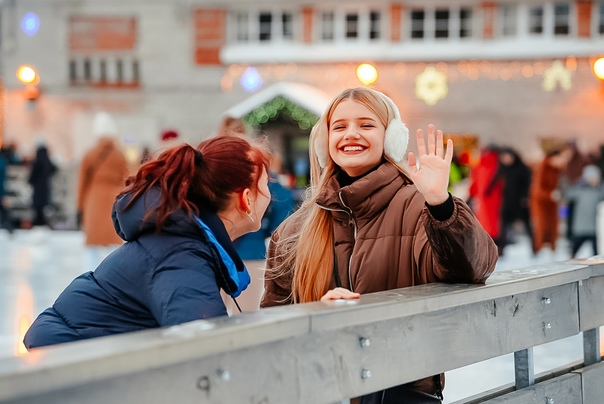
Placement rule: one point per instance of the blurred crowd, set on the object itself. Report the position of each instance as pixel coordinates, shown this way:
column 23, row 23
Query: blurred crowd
column 556, row 197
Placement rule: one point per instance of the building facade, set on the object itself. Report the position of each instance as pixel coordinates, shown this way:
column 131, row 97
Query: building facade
column 495, row 72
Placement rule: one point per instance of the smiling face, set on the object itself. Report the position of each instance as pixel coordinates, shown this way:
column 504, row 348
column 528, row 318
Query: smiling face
column 356, row 138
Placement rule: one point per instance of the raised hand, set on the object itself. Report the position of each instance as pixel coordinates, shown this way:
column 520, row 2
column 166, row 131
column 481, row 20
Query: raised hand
column 432, row 176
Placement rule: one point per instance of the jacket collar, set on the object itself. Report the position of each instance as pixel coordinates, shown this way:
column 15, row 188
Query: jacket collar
column 365, row 197
column 212, row 220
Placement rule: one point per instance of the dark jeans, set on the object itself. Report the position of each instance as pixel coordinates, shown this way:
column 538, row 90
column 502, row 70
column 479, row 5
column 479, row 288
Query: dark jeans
column 577, row 242
column 6, row 221
column 400, row 395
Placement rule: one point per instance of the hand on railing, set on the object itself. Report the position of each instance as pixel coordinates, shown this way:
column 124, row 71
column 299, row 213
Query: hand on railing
column 340, row 293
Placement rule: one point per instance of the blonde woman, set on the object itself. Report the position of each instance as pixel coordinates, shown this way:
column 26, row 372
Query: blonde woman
column 369, row 224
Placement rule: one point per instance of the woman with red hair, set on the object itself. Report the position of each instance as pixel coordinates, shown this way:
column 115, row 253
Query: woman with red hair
column 178, row 216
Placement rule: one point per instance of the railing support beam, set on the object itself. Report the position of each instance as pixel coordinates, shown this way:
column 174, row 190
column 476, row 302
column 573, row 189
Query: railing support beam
column 591, row 346
column 524, row 368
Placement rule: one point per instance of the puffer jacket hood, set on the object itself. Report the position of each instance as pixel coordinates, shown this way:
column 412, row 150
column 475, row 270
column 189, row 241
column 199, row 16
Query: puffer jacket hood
column 132, row 222
column 138, row 220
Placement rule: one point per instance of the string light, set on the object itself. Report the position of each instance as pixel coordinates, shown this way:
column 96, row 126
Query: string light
column 281, row 106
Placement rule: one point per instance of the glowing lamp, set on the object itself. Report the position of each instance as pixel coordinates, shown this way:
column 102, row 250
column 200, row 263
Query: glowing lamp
column 367, row 74
column 599, row 68
column 251, row 80
column 27, row 75
column 30, row 23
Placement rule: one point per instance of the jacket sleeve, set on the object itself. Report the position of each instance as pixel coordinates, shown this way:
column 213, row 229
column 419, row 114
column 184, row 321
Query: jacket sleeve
column 184, row 289
column 456, row 250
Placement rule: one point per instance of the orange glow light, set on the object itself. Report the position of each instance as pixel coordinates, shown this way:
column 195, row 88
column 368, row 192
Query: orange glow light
column 23, row 316
column 367, row 74
column 599, row 68
column 27, row 75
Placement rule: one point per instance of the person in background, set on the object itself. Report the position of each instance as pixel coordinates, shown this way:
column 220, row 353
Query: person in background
column 571, row 175
column 5, row 219
column 102, row 174
column 178, row 217
column 486, row 195
column 371, row 224
column 586, row 194
column 515, row 177
column 40, row 178
column 544, row 196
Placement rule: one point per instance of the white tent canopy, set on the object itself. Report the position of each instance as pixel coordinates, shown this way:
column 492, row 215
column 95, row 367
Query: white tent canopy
column 307, row 97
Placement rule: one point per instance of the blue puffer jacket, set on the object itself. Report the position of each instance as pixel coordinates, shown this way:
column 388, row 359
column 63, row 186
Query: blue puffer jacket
column 153, row 280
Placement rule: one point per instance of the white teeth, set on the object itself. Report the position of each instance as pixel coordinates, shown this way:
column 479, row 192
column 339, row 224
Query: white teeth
column 353, row 148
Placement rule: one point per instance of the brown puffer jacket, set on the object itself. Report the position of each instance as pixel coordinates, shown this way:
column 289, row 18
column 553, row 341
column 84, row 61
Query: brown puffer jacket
column 386, row 238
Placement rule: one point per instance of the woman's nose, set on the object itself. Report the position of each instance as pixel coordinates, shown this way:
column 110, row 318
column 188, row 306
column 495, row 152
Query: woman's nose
column 352, row 132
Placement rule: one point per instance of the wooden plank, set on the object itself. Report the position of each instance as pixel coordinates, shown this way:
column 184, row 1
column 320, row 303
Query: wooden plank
column 67, row 365
column 591, row 303
column 267, row 374
column 593, row 388
column 420, row 299
column 409, row 348
column 565, row 389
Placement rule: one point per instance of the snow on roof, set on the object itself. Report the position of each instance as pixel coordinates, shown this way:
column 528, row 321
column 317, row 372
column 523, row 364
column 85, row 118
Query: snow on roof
column 307, row 97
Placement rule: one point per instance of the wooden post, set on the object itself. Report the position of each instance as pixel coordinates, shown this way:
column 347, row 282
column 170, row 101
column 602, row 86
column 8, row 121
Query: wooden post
column 524, row 368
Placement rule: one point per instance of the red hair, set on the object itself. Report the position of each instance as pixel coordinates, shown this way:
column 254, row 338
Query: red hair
column 204, row 177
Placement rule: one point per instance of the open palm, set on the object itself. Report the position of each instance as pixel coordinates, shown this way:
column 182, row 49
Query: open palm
column 432, row 176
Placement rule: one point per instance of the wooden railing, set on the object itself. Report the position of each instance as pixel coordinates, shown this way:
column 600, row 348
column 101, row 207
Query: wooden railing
column 327, row 352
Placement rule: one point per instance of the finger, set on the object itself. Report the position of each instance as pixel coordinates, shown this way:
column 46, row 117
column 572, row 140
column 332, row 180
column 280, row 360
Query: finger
column 412, row 162
column 449, row 155
column 431, row 148
column 421, row 144
column 439, row 143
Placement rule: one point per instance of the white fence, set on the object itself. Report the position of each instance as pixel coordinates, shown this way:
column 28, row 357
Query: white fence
column 327, row 352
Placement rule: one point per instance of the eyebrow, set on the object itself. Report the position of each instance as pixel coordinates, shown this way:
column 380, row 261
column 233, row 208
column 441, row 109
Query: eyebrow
column 363, row 118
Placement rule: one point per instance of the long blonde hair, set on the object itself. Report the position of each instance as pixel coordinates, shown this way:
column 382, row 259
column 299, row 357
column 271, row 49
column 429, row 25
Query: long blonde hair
column 310, row 250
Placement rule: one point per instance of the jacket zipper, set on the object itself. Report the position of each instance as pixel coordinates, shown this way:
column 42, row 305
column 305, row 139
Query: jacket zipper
column 354, row 224
column 350, row 221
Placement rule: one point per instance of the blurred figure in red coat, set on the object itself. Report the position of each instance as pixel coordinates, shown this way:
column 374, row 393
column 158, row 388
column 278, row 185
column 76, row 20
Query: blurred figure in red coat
column 544, row 197
column 485, row 196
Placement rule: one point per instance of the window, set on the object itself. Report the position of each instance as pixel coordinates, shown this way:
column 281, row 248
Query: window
column 465, row 22
column 374, row 25
column 352, row 25
column 418, row 20
column 241, row 27
column 601, row 19
column 135, row 71
column 327, row 22
column 87, row 70
column 561, row 19
column 287, row 22
column 103, row 70
column 508, row 19
column 73, row 70
column 265, row 20
column 536, row 20
column 119, row 70
column 442, row 23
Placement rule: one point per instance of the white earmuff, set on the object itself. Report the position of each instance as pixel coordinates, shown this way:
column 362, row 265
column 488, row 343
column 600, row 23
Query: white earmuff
column 321, row 146
column 396, row 138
